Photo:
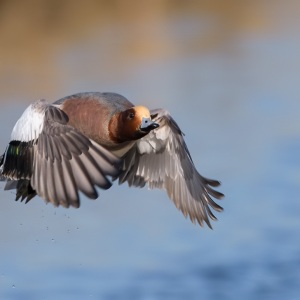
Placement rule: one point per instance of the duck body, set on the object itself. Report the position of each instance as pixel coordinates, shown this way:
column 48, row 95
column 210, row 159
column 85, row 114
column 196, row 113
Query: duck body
column 91, row 113
column 80, row 141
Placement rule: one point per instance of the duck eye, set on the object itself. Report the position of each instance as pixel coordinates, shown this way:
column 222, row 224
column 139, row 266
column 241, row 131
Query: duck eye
column 131, row 116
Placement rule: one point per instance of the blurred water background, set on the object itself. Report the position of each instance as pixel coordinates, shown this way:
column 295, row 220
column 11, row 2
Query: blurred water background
column 228, row 71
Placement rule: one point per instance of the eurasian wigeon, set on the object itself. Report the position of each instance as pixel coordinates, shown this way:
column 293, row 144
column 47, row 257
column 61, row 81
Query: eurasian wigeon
column 76, row 143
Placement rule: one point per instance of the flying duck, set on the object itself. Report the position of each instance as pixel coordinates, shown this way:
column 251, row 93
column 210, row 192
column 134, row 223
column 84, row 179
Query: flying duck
column 86, row 140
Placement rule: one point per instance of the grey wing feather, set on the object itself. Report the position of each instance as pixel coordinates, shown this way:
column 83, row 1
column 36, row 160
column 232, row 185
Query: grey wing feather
column 65, row 162
column 162, row 160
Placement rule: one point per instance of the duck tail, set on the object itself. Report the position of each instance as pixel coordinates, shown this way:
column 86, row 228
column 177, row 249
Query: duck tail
column 24, row 190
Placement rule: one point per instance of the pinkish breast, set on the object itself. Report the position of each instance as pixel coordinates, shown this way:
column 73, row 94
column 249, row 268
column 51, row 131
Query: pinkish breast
column 90, row 118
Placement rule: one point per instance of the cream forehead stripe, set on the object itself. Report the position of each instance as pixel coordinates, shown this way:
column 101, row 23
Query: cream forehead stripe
column 142, row 111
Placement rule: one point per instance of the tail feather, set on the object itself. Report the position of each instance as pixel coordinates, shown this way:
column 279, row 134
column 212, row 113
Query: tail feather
column 24, row 190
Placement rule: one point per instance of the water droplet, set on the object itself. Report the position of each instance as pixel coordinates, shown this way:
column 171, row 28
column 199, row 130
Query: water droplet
column 13, row 286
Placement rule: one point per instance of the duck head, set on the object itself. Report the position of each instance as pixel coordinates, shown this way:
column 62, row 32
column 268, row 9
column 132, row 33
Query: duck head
column 131, row 124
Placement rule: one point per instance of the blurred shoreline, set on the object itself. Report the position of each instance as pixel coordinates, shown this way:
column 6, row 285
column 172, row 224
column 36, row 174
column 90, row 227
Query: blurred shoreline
column 39, row 38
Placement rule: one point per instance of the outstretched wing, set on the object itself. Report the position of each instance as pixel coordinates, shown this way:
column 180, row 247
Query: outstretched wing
column 59, row 161
column 162, row 160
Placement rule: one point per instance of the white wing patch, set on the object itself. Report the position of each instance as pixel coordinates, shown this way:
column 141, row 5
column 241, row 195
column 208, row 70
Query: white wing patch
column 155, row 141
column 30, row 124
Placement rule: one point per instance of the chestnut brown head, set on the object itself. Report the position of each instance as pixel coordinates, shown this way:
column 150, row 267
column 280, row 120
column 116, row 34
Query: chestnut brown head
column 131, row 124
